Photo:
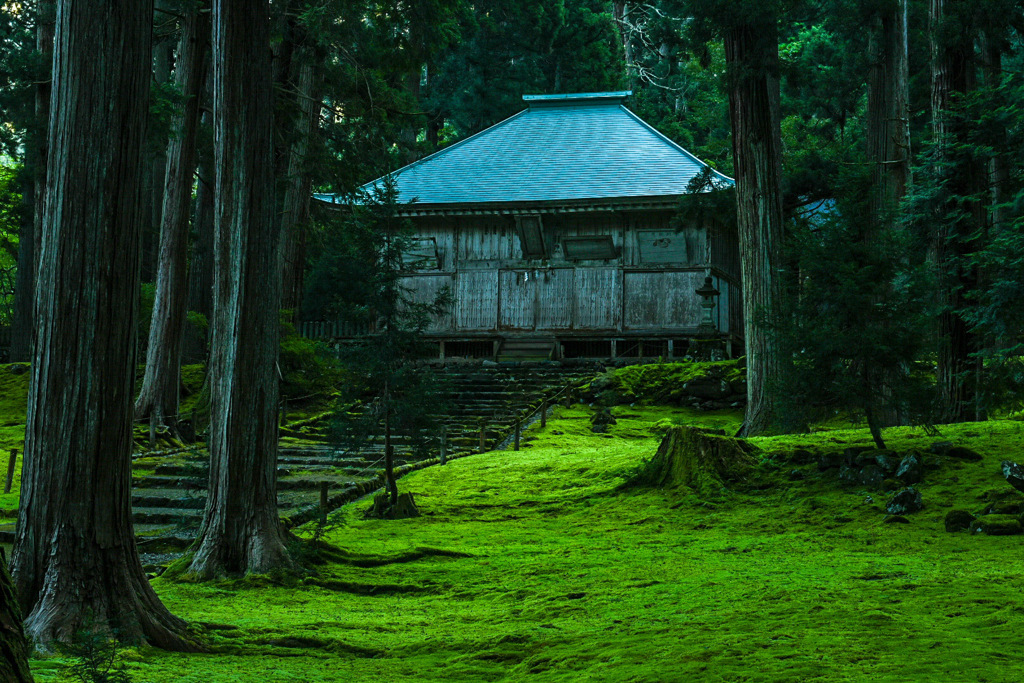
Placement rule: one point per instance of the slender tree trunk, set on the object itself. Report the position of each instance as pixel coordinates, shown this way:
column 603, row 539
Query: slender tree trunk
column 75, row 560
column 23, row 327
column 888, row 114
column 295, row 208
column 389, row 457
column 200, row 270
column 888, row 143
column 620, row 10
column 241, row 531
column 751, row 52
column 952, row 46
column 160, row 385
column 13, row 646
column 156, row 166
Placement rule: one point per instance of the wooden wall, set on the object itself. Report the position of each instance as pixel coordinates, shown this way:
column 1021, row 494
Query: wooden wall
column 649, row 286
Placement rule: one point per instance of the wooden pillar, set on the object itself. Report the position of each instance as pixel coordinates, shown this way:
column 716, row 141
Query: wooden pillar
column 671, row 348
column 615, row 348
column 440, row 348
column 483, row 440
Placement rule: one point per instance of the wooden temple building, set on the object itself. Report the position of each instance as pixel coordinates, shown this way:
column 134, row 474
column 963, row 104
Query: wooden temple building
column 556, row 231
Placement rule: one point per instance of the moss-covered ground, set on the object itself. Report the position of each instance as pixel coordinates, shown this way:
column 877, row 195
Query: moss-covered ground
column 533, row 565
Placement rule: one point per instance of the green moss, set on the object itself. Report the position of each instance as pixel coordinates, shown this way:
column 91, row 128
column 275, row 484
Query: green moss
column 541, row 568
column 661, row 383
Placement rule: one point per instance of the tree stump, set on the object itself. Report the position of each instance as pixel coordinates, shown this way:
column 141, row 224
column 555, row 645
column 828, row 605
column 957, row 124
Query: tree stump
column 698, row 459
column 404, row 507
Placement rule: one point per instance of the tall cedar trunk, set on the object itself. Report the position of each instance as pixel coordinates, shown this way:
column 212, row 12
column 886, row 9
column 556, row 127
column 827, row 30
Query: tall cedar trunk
column 241, row 531
column 888, row 140
column 153, row 194
column 888, row 114
column 159, row 394
column 295, row 209
column 75, row 560
column 23, row 327
column 200, row 270
column 952, row 76
column 752, row 54
column 13, row 646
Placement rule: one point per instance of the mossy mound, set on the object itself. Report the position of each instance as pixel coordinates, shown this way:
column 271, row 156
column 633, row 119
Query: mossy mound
column 698, row 459
column 664, row 383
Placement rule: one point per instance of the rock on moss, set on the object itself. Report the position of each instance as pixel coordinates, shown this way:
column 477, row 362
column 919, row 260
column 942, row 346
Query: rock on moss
column 904, row 501
column 910, row 469
column 1014, row 474
column 996, row 525
column 958, row 520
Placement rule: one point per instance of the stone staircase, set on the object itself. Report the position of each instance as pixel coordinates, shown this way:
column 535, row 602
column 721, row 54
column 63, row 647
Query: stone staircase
column 169, row 488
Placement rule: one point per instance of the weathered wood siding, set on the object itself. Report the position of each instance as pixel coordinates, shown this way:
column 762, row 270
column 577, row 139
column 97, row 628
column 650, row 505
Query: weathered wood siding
column 599, row 298
column 661, row 299
column 556, row 293
column 649, row 284
column 425, row 289
column 476, row 300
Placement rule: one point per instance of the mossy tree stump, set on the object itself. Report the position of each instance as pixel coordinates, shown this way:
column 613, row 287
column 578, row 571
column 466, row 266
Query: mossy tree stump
column 698, row 459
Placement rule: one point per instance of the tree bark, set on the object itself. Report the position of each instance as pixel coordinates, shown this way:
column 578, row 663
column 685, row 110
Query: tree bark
column 160, row 385
column 952, row 48
column 888, row 114
column 620, row 10
column 295, row 208
column 241, row 531
column 13, row 646
column 752, row 54
column 23, row 327
column 156, row 165
column 75, row 560
column 888, row 147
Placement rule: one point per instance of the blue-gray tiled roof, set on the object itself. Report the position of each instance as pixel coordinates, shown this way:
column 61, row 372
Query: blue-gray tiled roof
column 562, row 147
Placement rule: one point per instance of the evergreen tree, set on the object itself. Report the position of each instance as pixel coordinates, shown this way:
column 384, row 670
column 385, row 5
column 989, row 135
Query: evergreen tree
column 394, row 396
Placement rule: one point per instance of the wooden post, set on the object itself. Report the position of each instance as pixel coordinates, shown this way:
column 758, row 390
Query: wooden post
column 543, row 413
column 671, row 348
column 519, row 431
column 444, row 444
column 440, row 348
column 483, row 440
column 324, row 488
column 10, row 470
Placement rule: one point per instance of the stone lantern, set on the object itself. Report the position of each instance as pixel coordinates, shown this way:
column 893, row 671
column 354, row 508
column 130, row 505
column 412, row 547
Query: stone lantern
column 707, row 293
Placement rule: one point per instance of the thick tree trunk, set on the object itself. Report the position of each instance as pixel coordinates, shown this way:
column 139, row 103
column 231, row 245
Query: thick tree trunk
column 752, row 53
column 13, row 646
column 75, row 561
column 23, row 327
column 160, row 385
column 952, row 49
column 241, row 531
